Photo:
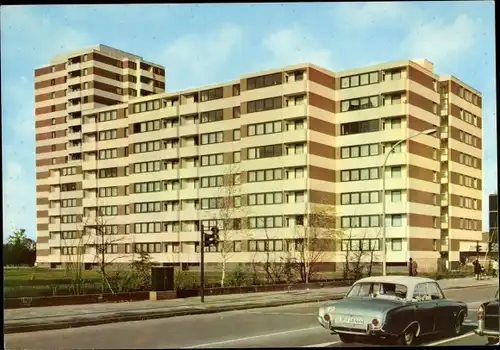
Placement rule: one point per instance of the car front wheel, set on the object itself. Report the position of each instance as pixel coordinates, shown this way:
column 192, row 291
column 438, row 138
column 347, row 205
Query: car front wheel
column 457, row 328
column 346, row 338
column 408, row 338
column 493, row 341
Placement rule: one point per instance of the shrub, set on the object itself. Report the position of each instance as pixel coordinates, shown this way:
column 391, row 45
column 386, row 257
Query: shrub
column 186, row 280
column 239, row 277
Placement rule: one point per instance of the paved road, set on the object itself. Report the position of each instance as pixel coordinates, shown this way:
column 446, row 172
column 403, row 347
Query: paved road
column 269, row 327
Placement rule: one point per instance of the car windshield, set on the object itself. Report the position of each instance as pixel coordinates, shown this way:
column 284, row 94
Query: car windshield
column 378, row 290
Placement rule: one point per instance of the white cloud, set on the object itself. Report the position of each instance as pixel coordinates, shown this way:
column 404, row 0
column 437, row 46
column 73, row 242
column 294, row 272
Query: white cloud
column 292, row 46
column 357, row 17
column 18, row 199
column 28, row 30
column 439, row 41
column 195, row 58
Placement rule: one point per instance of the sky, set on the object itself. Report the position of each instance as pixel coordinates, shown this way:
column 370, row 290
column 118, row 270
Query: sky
column 206, row 43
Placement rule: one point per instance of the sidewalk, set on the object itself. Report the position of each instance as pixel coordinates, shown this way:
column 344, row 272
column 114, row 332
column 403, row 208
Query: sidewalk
column 56, row 317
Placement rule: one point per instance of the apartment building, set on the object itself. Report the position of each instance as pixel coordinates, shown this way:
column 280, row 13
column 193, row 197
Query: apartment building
column 493, row 219
column 65, row 89
column 278, row 142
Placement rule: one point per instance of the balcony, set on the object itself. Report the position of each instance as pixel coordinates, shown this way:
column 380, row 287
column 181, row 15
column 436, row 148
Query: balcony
column 71, row 94
column 444, row 223
column 74, row 121
column 444, row 201
column 444, row 132
column 77, row 135
column 444, row 155
column 77, row 107
column 444, row 177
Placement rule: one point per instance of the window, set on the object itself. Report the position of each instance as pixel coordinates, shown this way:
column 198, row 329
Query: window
column 359, row 174
column 107, row 116
column 212, row 94
column 147, row 207
column 68, row 203
column 68, row 171
column 108, row 172
column 147, row 167
column 146, row 106
column 395, row 172
column 395, row 196
column 265, row 198
column 265, row 152
column 359, row 103
column 264, row 81
column 265, row 175
column 212, row 159
column 152, row 125
column 108, row 153
column 265, row 222
column 395, row 220
column 264, row 128
column 211, row 116
column 396, row 244
column 264, row 105
column 108, row 135
column 236, row 134
column 212, row 181
column 360, row 127
column 359, row 79
column 360, row 197
column 146, row 187
column 360, row 151
column 367, row 244
column 150, row 146
column 108, row 191
column 236, row 157
column 360, row 221
column 108, row 210
column 236, row 112
column 211, row 138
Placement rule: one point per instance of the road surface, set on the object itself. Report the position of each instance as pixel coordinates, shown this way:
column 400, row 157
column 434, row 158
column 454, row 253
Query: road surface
column 293, row 325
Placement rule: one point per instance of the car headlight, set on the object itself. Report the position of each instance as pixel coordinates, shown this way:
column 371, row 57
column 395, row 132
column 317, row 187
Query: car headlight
column 480, row 313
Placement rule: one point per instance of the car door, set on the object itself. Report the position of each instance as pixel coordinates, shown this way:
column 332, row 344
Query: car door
column 425, row 308
column 446, row 313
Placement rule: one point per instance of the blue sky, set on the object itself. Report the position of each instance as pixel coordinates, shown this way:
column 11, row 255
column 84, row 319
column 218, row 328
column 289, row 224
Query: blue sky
column 206, row 43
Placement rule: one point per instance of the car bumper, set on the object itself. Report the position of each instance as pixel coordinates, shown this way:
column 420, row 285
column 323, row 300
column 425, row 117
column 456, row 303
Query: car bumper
column 368, row 332
column 480, row 330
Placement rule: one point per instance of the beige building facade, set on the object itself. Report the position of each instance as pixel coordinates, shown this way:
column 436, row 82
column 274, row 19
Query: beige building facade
column 152, row 169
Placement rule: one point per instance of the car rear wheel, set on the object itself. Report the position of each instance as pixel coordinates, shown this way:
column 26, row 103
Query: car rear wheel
column 346, row 338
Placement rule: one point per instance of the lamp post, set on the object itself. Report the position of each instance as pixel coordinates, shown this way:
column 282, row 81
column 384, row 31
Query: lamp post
column 384, row 239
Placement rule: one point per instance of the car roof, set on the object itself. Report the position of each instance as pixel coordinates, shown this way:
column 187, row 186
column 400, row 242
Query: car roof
column 408, row 281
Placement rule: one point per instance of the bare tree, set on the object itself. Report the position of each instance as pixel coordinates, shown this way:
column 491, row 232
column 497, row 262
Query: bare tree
column 315, row 237
column 102, row 232
column 231, row 214
column 73, row 248
column 359, row 254
column 274, row 266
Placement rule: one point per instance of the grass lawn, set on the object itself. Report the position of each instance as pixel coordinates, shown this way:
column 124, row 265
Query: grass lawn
column 27, row 274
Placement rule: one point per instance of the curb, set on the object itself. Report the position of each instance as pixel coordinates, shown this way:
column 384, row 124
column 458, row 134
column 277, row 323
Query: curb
column 124, row 317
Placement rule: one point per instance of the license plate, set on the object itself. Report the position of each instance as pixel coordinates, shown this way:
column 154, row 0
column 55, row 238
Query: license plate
column 351, row 320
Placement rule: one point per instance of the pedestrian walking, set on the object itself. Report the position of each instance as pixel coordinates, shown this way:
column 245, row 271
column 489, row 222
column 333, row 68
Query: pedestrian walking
column 494, row 268
column 412, row 267
column 477, row 269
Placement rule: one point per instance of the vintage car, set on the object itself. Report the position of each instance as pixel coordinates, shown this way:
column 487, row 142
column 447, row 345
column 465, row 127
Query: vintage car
column 397, row 309
column 488, row 316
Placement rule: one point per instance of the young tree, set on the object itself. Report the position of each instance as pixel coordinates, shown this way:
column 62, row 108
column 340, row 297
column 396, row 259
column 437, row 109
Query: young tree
column 316, row 239
column 274, row 265
column 73, row 246
column 359, row 254
column 102, row 232
column 231, row 214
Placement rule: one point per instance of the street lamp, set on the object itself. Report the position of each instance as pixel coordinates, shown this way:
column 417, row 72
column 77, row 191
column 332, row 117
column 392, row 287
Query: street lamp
column 384, row 244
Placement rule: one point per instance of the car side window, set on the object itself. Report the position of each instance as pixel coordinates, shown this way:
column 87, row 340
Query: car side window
column 434, row 291
column 420, row 293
